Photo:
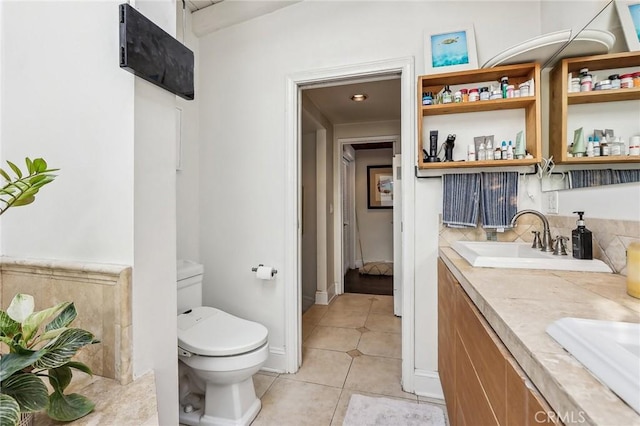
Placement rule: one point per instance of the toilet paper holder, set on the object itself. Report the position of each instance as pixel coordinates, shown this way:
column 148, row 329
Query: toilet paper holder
column 255, row 269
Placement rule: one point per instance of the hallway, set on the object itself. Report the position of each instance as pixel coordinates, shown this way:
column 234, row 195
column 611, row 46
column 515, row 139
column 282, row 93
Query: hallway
column 351, row 346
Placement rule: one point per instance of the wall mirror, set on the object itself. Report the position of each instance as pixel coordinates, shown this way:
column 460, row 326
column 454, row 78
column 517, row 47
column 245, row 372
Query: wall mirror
column 588, row 21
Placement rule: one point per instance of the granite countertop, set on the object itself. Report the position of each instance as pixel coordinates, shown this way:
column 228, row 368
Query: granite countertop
column 116, row 404
column 520, row 304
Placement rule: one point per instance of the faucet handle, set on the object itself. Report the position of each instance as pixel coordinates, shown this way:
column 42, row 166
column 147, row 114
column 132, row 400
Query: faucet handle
column 537, row 244
column 560, row 248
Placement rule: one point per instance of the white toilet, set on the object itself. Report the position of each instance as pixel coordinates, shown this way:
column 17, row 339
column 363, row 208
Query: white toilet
column 218, row 355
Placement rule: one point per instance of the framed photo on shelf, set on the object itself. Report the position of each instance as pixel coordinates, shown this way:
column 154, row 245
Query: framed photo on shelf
column 629, row 14
column 450, row 50
column 380, row 187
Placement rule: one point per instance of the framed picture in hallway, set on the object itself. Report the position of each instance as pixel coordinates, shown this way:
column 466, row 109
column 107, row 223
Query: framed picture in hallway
column 452, row 49
column 380, row 187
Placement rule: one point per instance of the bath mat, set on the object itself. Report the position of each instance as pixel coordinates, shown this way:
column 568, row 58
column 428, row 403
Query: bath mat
column 377, row 268
column 369, row 411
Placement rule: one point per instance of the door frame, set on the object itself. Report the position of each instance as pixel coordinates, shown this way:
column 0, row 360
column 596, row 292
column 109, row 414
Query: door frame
column 337, row 200
column 291, row 276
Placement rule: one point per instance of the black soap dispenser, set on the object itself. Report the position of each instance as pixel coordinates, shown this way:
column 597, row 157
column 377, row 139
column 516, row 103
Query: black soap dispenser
column 582, row 240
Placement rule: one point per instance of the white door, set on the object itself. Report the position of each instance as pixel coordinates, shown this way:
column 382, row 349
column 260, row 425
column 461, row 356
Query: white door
column 346, row 219
column 397, row 235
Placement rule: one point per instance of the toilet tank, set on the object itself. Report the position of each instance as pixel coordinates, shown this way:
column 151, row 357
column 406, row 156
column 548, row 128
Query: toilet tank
column 189, row 283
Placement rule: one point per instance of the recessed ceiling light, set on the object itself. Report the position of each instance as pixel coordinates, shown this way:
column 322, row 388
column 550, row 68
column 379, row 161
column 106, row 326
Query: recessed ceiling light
column 359, row 97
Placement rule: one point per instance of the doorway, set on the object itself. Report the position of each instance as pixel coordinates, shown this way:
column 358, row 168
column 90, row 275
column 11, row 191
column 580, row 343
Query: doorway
column 368, row 246
column 295, row 84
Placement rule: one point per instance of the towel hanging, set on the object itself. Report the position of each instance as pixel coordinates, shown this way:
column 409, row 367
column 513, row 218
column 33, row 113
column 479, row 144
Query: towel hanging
column 460, row 195
column 499, row 201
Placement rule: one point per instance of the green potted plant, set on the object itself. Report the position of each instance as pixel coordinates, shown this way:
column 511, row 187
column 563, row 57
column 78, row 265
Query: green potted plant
column 40, row 343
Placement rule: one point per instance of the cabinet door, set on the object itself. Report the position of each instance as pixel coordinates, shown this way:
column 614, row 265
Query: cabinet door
column 539, row 413
column 472, row 404
column 446, row 336
column 484, row 351
column 516, row 395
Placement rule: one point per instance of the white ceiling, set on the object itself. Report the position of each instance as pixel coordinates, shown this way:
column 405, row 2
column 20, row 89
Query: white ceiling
column 383, row 101
column 194, row 5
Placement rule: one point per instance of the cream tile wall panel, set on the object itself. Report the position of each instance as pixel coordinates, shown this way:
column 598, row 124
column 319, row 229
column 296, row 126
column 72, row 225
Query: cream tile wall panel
column 102, row 297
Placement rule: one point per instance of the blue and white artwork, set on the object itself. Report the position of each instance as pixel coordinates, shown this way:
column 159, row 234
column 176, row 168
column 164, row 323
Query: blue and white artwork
column 634, row 10
column 449, row 49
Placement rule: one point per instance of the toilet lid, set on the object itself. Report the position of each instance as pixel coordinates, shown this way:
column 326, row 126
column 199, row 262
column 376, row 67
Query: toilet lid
column 211, row 332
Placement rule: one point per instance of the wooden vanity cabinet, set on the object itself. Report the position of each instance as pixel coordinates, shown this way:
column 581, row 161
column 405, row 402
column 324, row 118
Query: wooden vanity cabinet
column 482, row 382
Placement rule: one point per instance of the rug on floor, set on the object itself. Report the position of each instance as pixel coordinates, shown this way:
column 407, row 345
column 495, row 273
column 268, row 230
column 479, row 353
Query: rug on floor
column 370, row 411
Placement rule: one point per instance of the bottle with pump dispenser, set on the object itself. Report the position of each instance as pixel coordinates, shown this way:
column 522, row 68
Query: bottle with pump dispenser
column 582, row 240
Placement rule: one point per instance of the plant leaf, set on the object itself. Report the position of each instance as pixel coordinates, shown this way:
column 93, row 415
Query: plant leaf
column 28, row 391
column 50, row 335
column 14, row 362
column 21, row 307
column 64, row 318
column 39, row 165
column 5, row 175
column 68, row 407
column 30, row 167
column 59, row 351
column 80, row 366
column 31, row 325
column 60, row 378
column 9, row 410
column 15, row 169
column 8, row 327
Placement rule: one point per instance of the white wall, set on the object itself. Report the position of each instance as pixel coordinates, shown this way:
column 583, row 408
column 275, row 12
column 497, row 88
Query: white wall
column 188, row 177
column 309, row 252
column 243, row 99
column 619, row 202
column 112, row 136
column 375, row 226
column 68, row 101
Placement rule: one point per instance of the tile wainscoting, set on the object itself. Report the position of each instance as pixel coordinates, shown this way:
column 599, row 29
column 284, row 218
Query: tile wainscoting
column 610, row 237
column 102, row 297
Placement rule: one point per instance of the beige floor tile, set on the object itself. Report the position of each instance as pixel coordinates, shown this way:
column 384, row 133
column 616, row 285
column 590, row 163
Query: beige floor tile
column 381, row 344
column 322, row 367
column 348, row 319
column 315, row 313
column 382, row 305
column 333, row 338
column 261, row 383
column 377, row 375
column 343, row 403
column 289, row 402
column 384, row 323
column 352, row 302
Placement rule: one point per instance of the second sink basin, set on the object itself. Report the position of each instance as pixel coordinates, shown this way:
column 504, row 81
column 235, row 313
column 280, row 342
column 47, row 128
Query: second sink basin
column 609, row 349
column 492, row 254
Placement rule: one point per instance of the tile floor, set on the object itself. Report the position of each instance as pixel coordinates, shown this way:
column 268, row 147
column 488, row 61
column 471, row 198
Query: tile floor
column 351, row 346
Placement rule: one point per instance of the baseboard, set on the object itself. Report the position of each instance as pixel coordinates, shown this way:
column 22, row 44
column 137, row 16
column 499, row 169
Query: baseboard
column 322, row 298
column 427, row 383
column 276, row 363
column 331, row 293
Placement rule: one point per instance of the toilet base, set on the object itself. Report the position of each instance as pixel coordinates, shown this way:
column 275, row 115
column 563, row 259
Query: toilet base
column 233, row 405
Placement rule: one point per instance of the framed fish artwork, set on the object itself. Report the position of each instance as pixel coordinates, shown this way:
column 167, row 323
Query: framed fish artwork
column 450, row 50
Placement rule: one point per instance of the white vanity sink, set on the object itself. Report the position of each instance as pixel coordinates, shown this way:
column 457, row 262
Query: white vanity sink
column 492, row 254
column 609, row 349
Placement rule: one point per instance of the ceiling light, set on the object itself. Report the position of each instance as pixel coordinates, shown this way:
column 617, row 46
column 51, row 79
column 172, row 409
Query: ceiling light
column 359, row 97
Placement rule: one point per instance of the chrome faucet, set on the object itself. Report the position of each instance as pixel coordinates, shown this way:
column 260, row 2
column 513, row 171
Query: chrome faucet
column 547, row 243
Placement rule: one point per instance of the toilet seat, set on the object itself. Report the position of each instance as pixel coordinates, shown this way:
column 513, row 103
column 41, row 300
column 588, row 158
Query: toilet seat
column 208, row 331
